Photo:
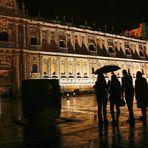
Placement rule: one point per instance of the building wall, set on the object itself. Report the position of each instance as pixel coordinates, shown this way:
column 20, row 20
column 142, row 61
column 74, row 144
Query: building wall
column 47, row 50
column 140, row 32
column 75, row 72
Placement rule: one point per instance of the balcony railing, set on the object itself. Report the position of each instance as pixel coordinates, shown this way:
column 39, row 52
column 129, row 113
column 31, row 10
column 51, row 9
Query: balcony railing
column 93, row 52
column 63, row 49
column 112, row 54
column 7, row 44
column 35, row 47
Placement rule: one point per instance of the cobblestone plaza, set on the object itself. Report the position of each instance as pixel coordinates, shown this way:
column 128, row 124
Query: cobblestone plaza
column 76, row 128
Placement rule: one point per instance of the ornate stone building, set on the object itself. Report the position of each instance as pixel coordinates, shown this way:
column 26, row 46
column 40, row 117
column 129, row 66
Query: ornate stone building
column 31, row 49
column 140, row 32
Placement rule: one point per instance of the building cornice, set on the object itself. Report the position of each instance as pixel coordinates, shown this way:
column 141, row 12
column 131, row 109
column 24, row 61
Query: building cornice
column 83, row 56
column 74, row 29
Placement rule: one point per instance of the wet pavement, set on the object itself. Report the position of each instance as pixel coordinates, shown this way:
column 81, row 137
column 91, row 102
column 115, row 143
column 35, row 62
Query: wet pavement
column 76, row 128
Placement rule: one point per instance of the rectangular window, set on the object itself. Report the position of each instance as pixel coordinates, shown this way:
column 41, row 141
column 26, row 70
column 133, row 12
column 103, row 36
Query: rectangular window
column 33, row 41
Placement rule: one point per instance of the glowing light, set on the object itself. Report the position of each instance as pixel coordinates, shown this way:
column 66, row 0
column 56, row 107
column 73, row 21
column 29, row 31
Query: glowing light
column 68, row 105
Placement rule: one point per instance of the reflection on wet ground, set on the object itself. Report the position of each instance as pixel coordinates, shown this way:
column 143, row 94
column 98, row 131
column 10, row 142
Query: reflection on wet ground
column 77, row 127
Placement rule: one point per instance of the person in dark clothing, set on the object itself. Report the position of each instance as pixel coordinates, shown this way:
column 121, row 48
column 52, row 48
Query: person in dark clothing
column 101, row 95
column 12, row 94
column 128, row 93
column 114, row 98
column 141, row 94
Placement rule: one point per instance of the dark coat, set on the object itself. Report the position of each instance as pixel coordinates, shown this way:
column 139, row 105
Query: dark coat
column 115, row 91
column 127, row 86
column 141, row 92
column 101, row 89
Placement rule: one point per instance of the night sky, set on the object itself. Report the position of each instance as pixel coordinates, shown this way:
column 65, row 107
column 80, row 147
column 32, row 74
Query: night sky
column 115, row 14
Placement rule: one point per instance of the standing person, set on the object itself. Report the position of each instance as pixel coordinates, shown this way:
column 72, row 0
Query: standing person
column 101, row 95
column 128, row 92
column 141, row 90
column 114, row 98
column 11, row 93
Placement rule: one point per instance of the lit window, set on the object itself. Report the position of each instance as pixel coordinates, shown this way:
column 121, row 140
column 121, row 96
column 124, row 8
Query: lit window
column 34, row 68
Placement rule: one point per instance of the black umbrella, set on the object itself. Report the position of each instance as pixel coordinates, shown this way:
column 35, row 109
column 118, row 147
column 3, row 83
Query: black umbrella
column 106, row 69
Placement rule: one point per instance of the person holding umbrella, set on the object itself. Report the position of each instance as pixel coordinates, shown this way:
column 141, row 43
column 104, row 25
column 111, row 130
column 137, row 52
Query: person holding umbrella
column 101, row 91
column 101, row 96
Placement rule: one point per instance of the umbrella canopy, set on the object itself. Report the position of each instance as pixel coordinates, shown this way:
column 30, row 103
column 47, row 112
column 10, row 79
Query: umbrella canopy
column 106, row 69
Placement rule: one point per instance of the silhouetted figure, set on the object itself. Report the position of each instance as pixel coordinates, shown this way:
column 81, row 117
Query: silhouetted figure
column 114, row 98
column 38, row 96
column 128, row 92
column 101, row 95
column 141, row 93
column 11, row 94
column 44, row 134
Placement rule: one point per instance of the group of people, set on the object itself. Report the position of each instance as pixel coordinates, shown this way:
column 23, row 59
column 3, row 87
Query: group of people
column 114, row 91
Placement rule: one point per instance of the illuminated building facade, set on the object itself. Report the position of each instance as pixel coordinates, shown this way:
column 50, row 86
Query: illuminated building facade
column 140, row 32
column 31, row 49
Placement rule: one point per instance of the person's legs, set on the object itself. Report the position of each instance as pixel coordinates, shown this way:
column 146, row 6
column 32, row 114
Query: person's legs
column 105, row 111
column 129, row 102
column 100, row 113
column 112, row 111
column 143, row 110
column 117, row 112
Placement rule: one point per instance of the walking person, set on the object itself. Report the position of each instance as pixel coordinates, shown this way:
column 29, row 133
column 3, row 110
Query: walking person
column 141, row 94
column 101, row 96
column 114, row 98
column 128, row 93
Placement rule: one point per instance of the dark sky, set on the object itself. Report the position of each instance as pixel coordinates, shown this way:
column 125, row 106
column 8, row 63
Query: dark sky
column 121, row 14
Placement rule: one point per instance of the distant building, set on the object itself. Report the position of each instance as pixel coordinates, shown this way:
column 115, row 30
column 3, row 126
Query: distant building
column 141, row 32
column 32, row 49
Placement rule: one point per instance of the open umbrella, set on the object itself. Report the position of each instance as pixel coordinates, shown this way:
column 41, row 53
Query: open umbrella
column 106, row 69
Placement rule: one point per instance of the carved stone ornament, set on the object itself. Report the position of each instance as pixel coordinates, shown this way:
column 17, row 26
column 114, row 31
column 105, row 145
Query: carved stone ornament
column 61, row 35
column 91, row 39
column 33, row 30
column 5, row 61
column 10, row 3
column 3, row 24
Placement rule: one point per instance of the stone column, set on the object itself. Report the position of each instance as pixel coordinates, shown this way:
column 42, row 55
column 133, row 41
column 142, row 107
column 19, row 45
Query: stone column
column 24, row 37
column 59, row 69
column 49, row 66
column 16, row 35
column 40, row 66
column 24, row 66
column 17, row 72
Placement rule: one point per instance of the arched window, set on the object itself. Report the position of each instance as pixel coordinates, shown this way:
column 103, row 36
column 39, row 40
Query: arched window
column 92, row 48
column 34, row 68
column 127, row 52
column 4, row 36
column 33, row 41
column 141, row 53
column 61, row 43
column 110, row 50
